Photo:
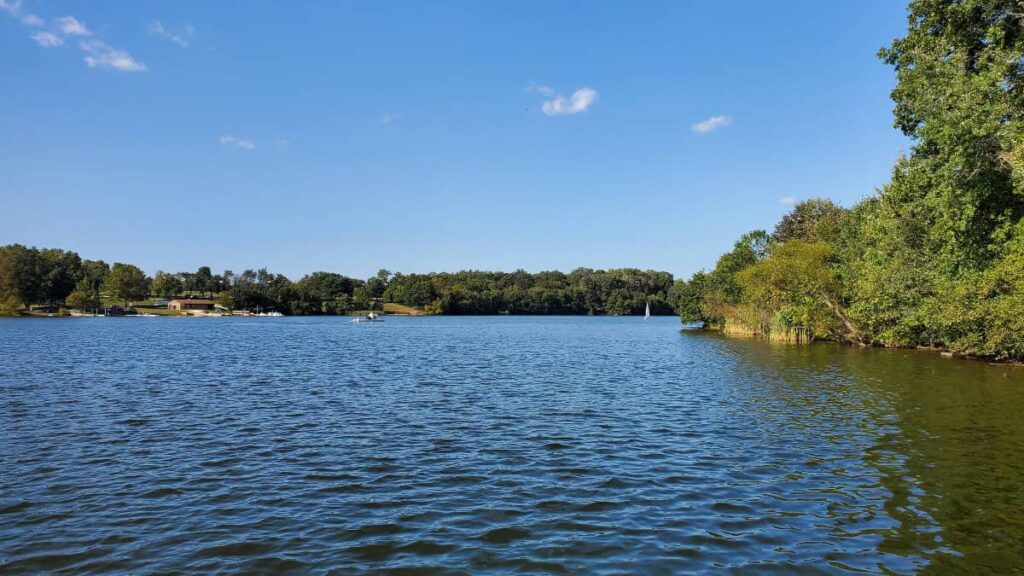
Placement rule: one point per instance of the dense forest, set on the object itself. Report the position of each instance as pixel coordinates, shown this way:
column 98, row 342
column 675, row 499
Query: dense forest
column 934, row 258
column 62, row 278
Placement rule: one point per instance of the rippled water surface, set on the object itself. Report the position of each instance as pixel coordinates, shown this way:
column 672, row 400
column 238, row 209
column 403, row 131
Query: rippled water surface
column 429, row 445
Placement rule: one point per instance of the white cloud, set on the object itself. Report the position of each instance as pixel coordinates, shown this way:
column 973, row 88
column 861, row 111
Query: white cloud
column 787, row 200
column 388, row 118
column 98, row 54
column 71, row 26
column 183, row 38
column 711, row 124
column 12, row 7
column 240, row 143
column 47, row 39
column 580, row 101
column 101, row 55
column 541, row 89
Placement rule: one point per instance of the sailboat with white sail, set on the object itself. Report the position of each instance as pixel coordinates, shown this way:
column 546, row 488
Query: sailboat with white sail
column 647, row 313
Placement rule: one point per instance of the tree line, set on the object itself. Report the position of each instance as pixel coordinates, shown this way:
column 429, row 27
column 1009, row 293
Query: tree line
column 936, row 257
column 581, row 292
column 54, row 277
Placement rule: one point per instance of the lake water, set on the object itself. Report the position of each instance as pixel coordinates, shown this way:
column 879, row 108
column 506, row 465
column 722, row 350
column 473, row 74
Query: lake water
column 497, row 444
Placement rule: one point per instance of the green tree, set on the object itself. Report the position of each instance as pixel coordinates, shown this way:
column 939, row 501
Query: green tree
column 692, row 295
column 166, row 285
column 322, row 293
column 716, row 294
column 20, row 275
column 59, row 272
column 361, row 298
column 377, row 285
column 812, row 220
column 203, row 280
column 85, row 296
column 96, row 271
column 623, row 303
column 127, row 283
column 960, row 95
column 798, row 281
column 227, row 280
column 188, row 282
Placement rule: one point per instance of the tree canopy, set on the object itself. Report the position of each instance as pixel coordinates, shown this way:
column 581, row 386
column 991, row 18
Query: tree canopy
column 936, row 257
column 127, row 282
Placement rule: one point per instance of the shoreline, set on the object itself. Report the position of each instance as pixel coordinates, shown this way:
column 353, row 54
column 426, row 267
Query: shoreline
column 346, row 315
column 943, row 352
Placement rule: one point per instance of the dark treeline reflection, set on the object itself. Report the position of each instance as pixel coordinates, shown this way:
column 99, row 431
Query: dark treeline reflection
column 936, row 444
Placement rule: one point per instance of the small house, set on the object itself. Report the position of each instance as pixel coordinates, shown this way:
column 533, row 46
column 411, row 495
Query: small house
column 191, row 304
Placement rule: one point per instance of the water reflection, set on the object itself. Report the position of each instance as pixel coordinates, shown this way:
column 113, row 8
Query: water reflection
column 495, row 444
column 942, row 438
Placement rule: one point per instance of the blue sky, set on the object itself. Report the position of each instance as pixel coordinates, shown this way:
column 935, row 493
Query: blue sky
column 351, row 136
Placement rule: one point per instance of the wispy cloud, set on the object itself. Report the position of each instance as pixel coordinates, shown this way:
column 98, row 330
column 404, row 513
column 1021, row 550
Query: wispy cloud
column 47, row 39
column 182, row 38
column 235, row 142
column 100, row 55
column 97, row 53
column 559, row 105
column 787, row 200
column 389, row 117
column 71, row 26
column 12, row 7
column 540, row 89
column 711, row 124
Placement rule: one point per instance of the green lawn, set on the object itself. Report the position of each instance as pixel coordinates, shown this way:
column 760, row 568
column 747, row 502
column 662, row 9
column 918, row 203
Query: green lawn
column 390, row 308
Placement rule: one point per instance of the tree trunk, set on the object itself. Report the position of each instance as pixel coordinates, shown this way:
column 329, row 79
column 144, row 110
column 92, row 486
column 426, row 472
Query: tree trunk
column 852, row 334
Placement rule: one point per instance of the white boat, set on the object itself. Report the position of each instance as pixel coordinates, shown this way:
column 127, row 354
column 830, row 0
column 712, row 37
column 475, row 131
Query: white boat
column 275, row 314
column 647, row 313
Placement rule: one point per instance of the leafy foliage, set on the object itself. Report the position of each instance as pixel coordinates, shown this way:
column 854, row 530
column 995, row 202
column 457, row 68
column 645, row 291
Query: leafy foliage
column 166, row 285
column 127, row 282
column 937, row 257
column 583, row 291
column 797, row 286
column 85, row 296
column 811, row 220
column 712, row 297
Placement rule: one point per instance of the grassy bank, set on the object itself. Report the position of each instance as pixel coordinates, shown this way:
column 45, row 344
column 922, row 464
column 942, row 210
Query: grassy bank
column 158, row 311
column 391, row 308
column 781, row 333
